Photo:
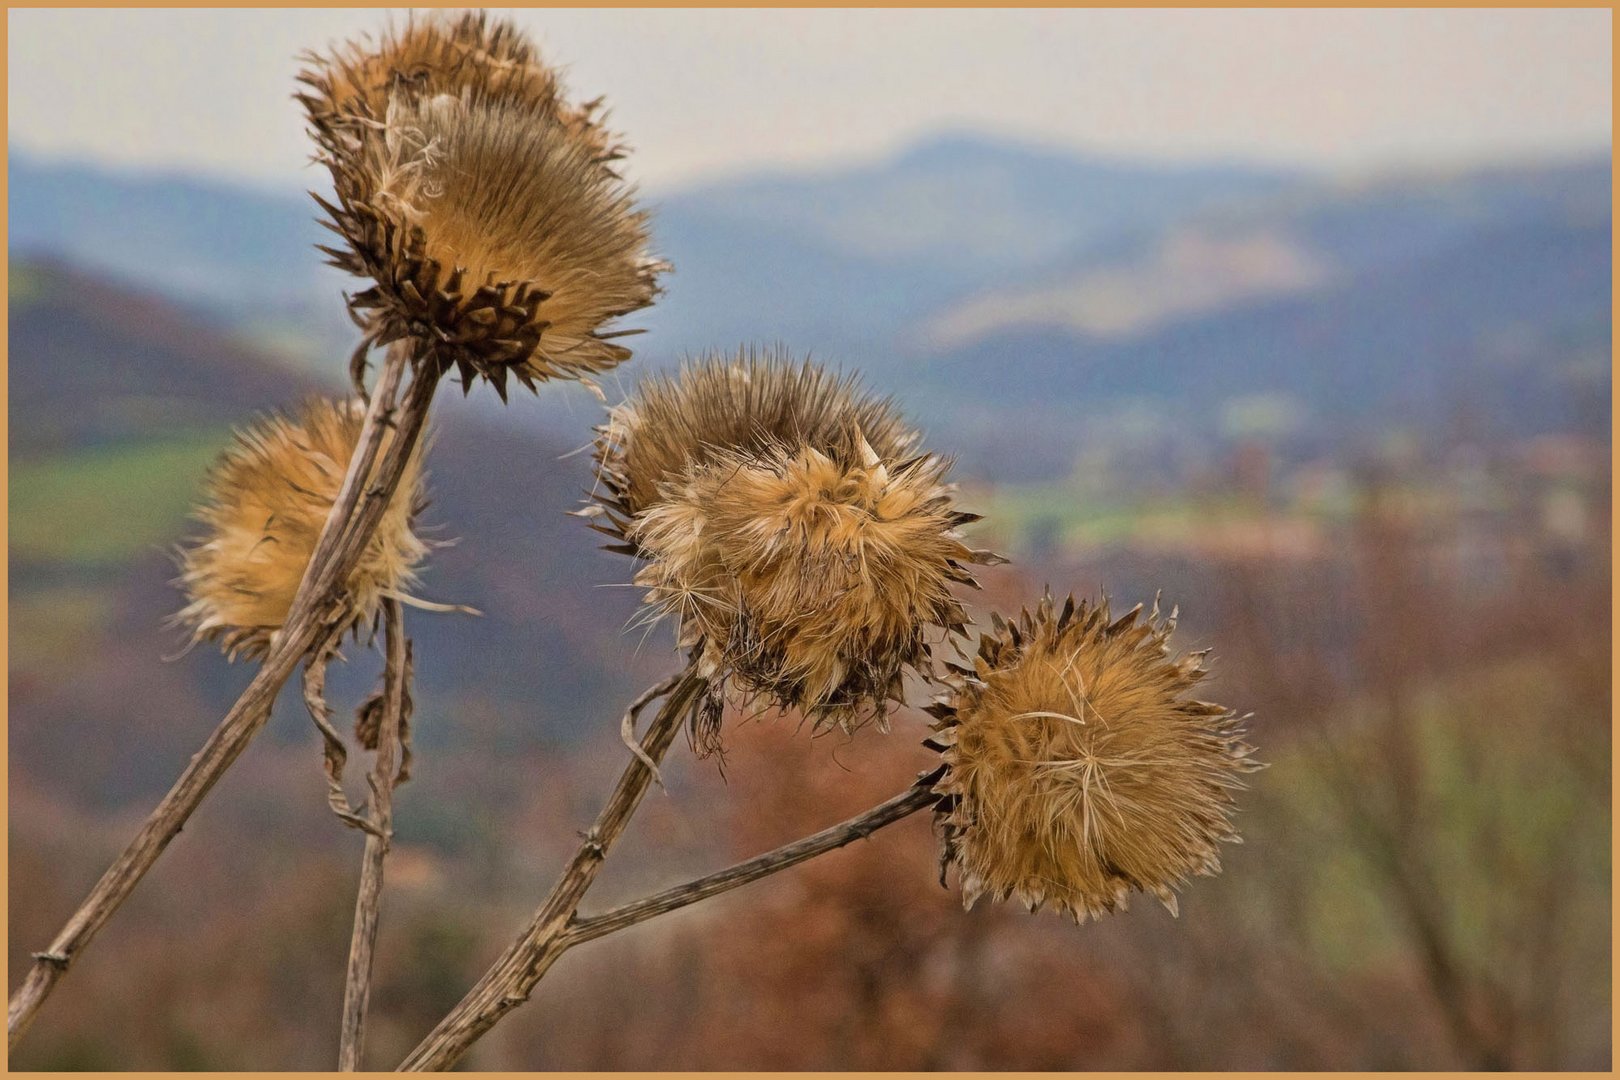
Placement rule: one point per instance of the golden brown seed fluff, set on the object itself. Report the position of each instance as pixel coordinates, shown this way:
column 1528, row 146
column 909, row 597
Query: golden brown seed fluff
column 266, row 500
column 751, row 401
column 1077, row 765
column 479, row 202
column 433, row 54
column 804, row 551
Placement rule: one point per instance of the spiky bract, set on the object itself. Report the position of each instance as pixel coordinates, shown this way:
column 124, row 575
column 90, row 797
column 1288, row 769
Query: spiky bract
column 801, row 546
column 750, row 402
column 479, row 201
column 1078, row 768
column 435, row 54
column 266, row 500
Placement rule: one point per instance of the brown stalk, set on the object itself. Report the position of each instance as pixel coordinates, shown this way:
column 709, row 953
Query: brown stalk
column 385, row 774
column 908, row 802
column 511, row 980
column 354, row 516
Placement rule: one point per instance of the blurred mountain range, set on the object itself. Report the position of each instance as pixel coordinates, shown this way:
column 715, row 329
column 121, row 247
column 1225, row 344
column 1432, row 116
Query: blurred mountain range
column 1005, row 290
column 1356, row 429
column 835, row 258
column 1035, row 309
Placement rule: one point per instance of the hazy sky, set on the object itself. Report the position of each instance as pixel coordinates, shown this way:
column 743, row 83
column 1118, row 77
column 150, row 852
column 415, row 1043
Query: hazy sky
column 709, row 91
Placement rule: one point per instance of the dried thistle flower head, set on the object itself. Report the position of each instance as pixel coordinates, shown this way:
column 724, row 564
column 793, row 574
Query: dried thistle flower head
column 266, row 500
column 480, row 203
column 750, row 402
column 1077, row 768
column 799, row 546
column 439, row 53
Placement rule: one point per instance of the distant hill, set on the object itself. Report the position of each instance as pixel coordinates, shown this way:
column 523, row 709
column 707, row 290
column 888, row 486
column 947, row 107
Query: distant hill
column 189, row 237
column 997, row 286
column 1302, row 240
column 93, row 362
column 1512, row 323
column 1353, row 310
column 831, row 261
column 967, row 199
column 844, row 258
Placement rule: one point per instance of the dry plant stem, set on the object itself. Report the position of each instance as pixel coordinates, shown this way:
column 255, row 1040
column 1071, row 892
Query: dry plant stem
column 380, row 812
column 348, row 528
column 512, row 978
column 903, row 805
column 320, row 711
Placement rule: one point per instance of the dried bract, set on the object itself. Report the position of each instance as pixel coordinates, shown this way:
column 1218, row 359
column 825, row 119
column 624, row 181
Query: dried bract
column 751, row 402
column 801, row 548
column 266, row 500
column 1077, row 766
column 481, row 205
column 439, row 53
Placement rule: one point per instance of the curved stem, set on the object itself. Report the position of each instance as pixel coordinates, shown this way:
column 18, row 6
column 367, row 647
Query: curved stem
column 335, row 753
column 908, row 802
column 510, row 981
column 364, row 495
column 368, row 903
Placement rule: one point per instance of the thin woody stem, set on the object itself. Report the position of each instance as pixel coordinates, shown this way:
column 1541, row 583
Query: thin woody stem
column 510, row 981
column 368, row 903
column 367, row 487
column 908, row 802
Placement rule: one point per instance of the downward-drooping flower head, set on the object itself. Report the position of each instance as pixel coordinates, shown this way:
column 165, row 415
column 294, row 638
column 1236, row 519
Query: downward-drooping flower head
column 482, row 205
column 1077, row 766
column 266, row 500
column 791, row 529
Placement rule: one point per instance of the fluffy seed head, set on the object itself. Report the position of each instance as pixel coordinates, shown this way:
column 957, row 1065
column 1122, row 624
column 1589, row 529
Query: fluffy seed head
column 749, row 402
column 798, row 545
column 435, row 54
column 265, row 502
column 1077, row 766
column 481, row 204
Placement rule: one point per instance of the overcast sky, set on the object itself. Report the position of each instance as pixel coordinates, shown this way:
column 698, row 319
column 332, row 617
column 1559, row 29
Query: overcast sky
column 716, row 91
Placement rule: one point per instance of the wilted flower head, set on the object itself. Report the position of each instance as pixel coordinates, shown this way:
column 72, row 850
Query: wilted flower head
column 479, row 201
column 747, row 403
column 439, row 53
column 266, row 500
column 800, row 544
column 1077, row 766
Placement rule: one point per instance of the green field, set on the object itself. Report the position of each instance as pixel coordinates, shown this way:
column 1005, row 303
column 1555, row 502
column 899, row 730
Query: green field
column 1061, row 515
column 25, row 285
column 106, row 505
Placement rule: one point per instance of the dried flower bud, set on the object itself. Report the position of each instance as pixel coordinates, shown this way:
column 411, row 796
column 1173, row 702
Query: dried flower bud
column 480, row 204
column 802, row 550
column 1077, row 768
column 266, row 500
